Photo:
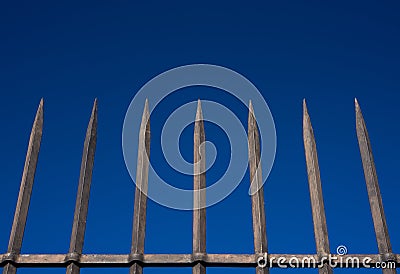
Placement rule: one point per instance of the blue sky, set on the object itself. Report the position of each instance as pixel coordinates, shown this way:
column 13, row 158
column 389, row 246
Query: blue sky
column 325, row 51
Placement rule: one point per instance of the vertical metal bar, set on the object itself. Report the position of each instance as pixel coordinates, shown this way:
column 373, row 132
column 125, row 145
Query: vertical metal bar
column 257, row 190
column 82, row 197
column 374, row 194
column 142, row 171
column 24, row 196
column 314, row 181
column 199, row 194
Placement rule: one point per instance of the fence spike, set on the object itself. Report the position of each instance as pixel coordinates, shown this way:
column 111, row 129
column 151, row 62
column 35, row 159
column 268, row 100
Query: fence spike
column 25, row 191
column 83, row 193
column 314, row 181
column 199, row 193
column 257, row 190
column 374, row 194
column 139, row 215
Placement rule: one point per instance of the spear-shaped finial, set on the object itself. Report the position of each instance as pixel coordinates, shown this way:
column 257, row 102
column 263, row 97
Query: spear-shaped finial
column 142, row 171
column 83, row 193
column 257, row 190
column 374, row 193
column 25, row 191
column 199, row 193
column 314, row 181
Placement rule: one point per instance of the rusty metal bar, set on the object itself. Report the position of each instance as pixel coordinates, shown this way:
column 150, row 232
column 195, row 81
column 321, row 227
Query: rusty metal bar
column 139, row 215
column 83, row 193
column 199, row 193
column 188, row 260
column 25, row 191
column 314, row 181
column 257, row 190
column 374, row 194
column 199, row 259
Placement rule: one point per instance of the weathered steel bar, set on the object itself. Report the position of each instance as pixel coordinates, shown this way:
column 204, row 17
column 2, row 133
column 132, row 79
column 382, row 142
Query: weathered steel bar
column 188, row 260
column 25, row 191
column 374, row 194
column 142, row 171
column 199, row 193
column 314, row 181
column 257, row 190
column 83, row 193
column 199, row 259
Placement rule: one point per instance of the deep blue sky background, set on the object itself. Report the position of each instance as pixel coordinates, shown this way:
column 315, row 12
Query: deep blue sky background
column 325, row 51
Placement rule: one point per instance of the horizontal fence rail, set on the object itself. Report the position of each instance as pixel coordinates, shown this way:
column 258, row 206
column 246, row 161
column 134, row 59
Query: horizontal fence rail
column 189, row 260
column 199, row 260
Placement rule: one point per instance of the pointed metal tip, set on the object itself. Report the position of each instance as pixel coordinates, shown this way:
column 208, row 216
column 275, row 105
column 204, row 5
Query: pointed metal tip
column 199, row 112
column 39, row 112
column 252, row 128
column 146, row 106
column 306, row 119
column 94, row 109
column 359, row 116
column 357, row 105
column 40, row 109
column 252, row 118
column 251, row 107
column 145, row 115
column 305, row 110
column 358, row 110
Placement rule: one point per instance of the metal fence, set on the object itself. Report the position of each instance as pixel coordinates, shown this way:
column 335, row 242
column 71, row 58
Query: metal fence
column 199, row 260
